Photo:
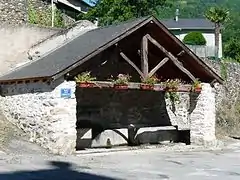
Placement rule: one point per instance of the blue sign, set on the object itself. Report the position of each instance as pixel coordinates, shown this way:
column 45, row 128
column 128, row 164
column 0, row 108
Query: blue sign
column 66, row 93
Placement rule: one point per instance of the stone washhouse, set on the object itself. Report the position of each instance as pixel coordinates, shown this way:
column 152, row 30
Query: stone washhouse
column 44, row 100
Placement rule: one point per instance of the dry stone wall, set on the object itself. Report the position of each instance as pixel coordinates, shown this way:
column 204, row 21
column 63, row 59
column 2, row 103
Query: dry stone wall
column 229, row 91
column 39, row 110
column 15, row 11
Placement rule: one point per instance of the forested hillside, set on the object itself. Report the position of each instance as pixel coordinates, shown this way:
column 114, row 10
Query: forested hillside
column 197, row 8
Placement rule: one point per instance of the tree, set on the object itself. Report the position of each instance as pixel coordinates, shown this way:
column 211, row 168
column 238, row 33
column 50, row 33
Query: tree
column 114, row 11
column 218, row 16
column 194, row 38
column 232, row 49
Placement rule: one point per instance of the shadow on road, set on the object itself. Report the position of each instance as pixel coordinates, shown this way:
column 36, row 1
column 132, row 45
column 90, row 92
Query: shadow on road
column 60, row 171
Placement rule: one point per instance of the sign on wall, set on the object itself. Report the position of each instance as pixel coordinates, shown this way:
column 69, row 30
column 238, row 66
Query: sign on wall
column 66, row 93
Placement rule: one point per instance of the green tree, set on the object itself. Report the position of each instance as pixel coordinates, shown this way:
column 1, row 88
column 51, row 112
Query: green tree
column 232, row 49
column 194, row 38
column 114, row 11
column 218, row 16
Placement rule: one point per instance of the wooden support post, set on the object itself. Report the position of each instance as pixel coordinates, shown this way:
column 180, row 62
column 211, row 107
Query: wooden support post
column 154, row 70
column 132, row 64
column 172, row 57
column 144, row 56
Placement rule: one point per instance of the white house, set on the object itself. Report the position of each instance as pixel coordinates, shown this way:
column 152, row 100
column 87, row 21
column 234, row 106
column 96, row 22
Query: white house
column 78, row 5
column 181, row 27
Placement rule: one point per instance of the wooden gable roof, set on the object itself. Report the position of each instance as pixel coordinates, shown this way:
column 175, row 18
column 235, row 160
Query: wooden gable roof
column 83, row 48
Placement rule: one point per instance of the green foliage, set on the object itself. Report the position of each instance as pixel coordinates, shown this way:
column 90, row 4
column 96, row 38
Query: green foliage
column 217, row 14
column 150, row 80
column 122, row 79
column 223, row 70
column 114, row 11
column 232, row 49
column 196, row 84
column 172, row 84
column 84, row 77
column 173, row 96
column 44, row 17
column 196, row 9
column 194, row 38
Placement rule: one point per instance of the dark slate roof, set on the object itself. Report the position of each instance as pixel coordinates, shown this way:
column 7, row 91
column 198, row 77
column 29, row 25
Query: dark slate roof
column 72, row 52
column 189, row 24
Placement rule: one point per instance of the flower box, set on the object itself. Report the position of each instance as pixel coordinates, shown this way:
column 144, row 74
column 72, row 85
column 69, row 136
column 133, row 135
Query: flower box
column 160, row 88
column 171, row 89
column 87, row 85
column 185, row 88
column 198, row 89
column 146, row 87
column 120, row 86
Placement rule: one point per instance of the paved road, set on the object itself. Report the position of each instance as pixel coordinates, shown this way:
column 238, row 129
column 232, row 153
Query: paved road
column 139, row 164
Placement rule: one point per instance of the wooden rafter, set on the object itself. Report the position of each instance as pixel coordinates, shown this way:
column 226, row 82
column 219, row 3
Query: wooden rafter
column 132, row 64
column 144, row 56
column 172, row 57
column 160, row 64
column 180, row 53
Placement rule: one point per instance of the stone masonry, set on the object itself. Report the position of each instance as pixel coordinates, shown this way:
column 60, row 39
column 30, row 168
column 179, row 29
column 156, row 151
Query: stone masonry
column 203, row 117
column 39, row 110
column 15, row 11
column 42, row 113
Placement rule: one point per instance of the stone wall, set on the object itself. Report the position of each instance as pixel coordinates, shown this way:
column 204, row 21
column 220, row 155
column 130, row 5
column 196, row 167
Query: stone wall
column 229, row 91
column 227, row 98
column 203, row 116
column 15, row 11
column 41, row 112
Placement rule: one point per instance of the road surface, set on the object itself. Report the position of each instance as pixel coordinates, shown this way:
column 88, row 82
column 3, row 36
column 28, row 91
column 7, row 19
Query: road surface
column 139, row 164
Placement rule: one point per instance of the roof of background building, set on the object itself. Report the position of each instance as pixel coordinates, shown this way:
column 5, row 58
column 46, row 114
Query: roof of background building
column 91, row 3
column 191, row 24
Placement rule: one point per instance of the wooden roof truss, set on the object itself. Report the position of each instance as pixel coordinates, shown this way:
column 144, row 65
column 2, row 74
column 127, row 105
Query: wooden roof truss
column 144, row 72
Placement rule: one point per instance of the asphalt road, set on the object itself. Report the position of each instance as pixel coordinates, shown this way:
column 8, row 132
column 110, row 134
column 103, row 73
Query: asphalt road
column 138, row 164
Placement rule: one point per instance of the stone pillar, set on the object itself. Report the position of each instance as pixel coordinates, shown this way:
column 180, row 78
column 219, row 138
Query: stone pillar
column 203, row 116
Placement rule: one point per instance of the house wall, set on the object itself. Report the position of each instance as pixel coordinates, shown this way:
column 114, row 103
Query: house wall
column 77, row 5
column 208, row 50
column 23, row 44
column 16, row 41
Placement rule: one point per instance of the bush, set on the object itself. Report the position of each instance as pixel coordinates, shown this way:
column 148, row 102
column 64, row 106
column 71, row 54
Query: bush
column 232, row 49
column 44, row 17
column 194, row 38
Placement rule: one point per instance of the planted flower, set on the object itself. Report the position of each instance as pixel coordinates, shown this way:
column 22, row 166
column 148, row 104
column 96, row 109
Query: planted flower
column 85, row 80
column 196, row 86
column 121, row 82
column 148, row 83
column 172, row 84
